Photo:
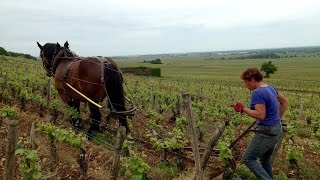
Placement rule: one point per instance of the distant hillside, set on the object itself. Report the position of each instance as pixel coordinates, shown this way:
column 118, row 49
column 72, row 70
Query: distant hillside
column 15, row 54
column 268, row 53
column 275, row 53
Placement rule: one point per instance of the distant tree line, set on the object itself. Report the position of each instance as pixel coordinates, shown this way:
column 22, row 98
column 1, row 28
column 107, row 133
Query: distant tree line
column 266, row 55
column 313, row 51
column 15, row 54
column 156, row 61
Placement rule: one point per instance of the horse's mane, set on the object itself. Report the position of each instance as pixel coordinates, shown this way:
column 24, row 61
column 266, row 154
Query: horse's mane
column 69, row 53
column 64, row 52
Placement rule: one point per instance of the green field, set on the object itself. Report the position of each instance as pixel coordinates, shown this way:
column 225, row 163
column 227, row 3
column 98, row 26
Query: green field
column 302, row 72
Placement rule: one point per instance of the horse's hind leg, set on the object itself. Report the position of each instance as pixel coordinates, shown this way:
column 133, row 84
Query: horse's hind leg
column 95, row 117
column 76, row 121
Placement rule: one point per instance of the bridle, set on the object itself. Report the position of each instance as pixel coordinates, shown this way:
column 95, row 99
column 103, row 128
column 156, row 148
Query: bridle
column 46, row 64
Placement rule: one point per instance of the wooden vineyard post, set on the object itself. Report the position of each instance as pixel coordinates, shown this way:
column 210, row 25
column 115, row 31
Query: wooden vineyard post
column 152, row 98
column 82, row 164
column 213, row 141
column 32, row 136
column 181, row 108
column 4, row 84
column 193, row 136
column 49, row 92
column 121, row 134
column 53, row 150
column 301, row 111
column 11, row 147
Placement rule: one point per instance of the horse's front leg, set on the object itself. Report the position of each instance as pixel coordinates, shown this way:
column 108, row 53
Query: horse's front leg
column 76, row 121
column 95, row 117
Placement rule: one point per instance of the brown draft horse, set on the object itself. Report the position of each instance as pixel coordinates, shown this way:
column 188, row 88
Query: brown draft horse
column 95, row 77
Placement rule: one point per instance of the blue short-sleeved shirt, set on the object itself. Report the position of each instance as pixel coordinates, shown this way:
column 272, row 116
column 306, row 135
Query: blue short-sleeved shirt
column 267, row 96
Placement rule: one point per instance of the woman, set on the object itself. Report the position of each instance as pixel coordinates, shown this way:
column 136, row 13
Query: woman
column 267, row 106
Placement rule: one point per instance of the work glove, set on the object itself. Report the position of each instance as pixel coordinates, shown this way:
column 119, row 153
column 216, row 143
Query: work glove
column 238, row 107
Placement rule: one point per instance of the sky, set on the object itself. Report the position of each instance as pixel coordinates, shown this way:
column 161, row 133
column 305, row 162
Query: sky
column 136, row 27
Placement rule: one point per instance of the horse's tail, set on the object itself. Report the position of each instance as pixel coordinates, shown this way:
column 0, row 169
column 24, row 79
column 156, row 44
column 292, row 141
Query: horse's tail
column 113, row 81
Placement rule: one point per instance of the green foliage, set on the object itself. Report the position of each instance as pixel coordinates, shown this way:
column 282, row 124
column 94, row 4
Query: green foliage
column 136, row 168
column 126, row 147
column 154, row 118
column 156, row 72
column 157, row 143
column 177, row 139
column 73, row 113
column 293, row 152
column 281, row 176
column 224, row 152
column 56, row 104
column 165, row 170
column 103, row 139
column 29, row 167
column 14, row 54
column 156, row 61
column 62, row 135
column 223, row 145
column 5, row 95
column 244, row 172
column 268, row 68
column 26, row 94
column 315, row 145
column 181, row 122
column 9, row 112
column 3, row 51
column 317, row 133
column 238, row 118
column 3, row 58
column 291, row 129
column 174, row 139
column 39, row 99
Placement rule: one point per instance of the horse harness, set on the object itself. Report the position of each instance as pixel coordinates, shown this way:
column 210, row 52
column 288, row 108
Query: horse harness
column 105, row 62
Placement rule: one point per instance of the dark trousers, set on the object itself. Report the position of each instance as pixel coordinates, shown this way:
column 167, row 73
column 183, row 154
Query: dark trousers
column 261, row 147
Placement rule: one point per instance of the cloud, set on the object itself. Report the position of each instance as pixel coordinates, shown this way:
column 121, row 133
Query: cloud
column 122, row 27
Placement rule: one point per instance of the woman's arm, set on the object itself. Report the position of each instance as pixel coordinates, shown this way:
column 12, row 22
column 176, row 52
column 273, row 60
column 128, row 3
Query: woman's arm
column 283, row 104
column 259, row 112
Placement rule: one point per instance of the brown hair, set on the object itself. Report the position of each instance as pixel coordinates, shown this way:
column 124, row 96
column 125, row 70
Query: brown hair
column 252, row 73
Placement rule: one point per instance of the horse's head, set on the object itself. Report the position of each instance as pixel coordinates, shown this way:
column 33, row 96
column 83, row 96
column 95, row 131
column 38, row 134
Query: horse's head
column 47, row 52
column 63, row 51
